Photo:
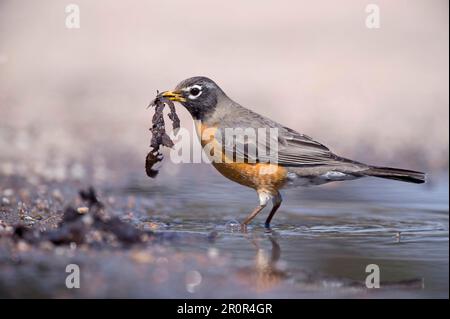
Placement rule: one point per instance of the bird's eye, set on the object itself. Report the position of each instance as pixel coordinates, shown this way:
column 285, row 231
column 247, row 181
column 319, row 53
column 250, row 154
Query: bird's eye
column 194, row 91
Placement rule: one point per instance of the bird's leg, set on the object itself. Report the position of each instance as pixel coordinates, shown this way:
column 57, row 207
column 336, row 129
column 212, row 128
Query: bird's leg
column 264, row 198
column 276, row 200
column 252, row 215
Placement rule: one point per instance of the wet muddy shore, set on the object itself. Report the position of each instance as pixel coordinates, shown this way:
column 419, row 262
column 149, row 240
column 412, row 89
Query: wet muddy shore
column 188, row 244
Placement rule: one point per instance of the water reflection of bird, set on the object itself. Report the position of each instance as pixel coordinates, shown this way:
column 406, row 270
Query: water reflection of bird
column 268, row 162
column 266, row 273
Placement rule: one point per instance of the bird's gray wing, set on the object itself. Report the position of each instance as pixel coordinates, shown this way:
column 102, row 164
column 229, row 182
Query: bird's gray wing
column 297, row 149
column 282, row 145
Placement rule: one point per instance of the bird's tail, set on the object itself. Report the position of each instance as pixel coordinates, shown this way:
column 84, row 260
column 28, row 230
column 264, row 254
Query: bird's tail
column 397, row 174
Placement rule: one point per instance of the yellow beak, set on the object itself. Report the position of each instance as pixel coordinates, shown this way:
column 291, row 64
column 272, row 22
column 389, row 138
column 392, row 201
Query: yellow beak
column 173, row 96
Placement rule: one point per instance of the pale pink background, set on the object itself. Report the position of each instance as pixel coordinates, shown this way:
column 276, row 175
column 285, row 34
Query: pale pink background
column 375, row 95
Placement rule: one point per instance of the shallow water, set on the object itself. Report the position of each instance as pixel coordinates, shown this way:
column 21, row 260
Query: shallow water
column 322, row 237
column 321, row 242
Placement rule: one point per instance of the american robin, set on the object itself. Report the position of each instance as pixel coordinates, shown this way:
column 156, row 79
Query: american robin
column 298, row 161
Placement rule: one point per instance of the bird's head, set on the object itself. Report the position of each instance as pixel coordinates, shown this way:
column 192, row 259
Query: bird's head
column 198, row 94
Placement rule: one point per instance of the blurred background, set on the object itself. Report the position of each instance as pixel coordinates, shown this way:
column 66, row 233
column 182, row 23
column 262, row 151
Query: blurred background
column 73, row 96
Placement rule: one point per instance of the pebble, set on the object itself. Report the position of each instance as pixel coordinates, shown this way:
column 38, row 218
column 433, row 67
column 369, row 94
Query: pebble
column 142, row 257
column 5, row 228
column 87, row 220
column 82, row 210
column 22, row 246
column 28, row 219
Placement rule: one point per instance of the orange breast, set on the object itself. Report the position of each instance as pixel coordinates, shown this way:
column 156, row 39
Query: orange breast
column 260, row 176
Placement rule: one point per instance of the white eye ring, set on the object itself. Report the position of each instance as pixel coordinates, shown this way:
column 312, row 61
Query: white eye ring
column 191, row 96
